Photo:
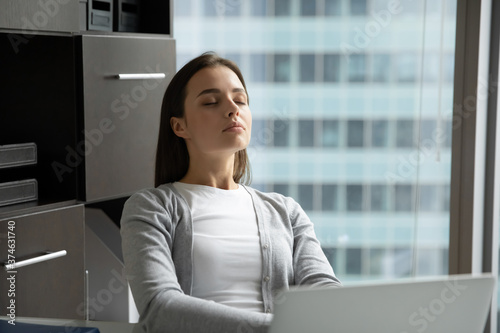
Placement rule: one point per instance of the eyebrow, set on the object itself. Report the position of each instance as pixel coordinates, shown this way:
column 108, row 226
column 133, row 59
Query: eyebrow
column 217, row 91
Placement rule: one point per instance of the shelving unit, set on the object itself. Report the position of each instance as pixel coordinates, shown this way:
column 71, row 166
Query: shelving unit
column 95, row 134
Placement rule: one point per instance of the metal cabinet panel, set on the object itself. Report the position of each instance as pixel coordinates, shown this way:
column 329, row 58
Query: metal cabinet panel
column 47, row 15
column 122, row 111
column 54, row 288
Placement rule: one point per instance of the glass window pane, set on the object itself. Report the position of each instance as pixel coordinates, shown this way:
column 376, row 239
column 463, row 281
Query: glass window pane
column 306, row 133
column 354, row 197
column 306, row 196
column 307, row 67
column 378, row 258
column 183, row 8
column 353, row 261
column 406, row 70
column 355, row 133
column 401, row 260
column 282, row 68
column 330, row 133
column 404, row 134
column 380, row 133
column 209, row 8
column 429, row 198
column 333, row 7
column 258, row 7
column 258, row 68
column 329, row 197
column 281, row 130
column 357, row 68
column 261, row 134
column 379, row 200
column 282, row 189
column 221, row 8
column 282, row 7
column 403, row 198
column 381, row 68
column 358, row 7
column 308, row 7
column 331, row 68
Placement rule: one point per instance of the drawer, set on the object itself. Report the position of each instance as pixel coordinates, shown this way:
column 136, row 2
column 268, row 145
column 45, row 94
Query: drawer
column 54, row 288
column 121, row 113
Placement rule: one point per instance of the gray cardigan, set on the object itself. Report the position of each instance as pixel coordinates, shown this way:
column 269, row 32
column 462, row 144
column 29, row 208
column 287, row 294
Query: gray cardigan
column 157, row 241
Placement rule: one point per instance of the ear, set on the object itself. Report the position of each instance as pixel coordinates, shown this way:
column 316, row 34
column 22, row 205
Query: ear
column 179, row 127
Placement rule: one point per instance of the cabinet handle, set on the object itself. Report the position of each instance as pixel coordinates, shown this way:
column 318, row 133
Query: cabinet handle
column 31, row 261
column 140, row 76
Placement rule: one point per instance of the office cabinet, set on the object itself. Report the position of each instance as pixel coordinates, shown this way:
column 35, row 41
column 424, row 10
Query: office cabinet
column 124, row 79
column 52, row 288
column 90, row 102
column 39, row 106
column 41, row 15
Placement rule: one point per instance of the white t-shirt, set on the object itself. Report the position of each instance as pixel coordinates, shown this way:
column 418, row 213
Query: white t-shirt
column 227, row 259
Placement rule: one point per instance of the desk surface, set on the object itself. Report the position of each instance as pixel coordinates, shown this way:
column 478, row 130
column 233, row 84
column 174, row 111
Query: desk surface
column 103, row 326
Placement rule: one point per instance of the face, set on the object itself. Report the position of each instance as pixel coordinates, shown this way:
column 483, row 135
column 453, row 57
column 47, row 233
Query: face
column 217, row 119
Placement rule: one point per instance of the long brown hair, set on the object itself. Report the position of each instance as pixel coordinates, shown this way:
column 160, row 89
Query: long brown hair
column 172, row 157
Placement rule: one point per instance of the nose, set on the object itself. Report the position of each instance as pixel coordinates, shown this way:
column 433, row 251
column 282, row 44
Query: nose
column 232, row 109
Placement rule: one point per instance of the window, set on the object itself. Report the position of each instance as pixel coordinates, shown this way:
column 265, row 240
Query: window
column 354, row 197
column 381, row 68
column 307, row 67
column 281, row 133
column 379, row 199
column 331, row 71
column 258, row 7
column 357, row 68
column 380, row 133
column 330, row 133
column 329, row 197
column 403, row 198
column 353, row 261
column 282, row 189
column 333, row 7
column 306, row 196
column 183, row 8
column 358, row 7
column 339, row 117
column 355, row 133
column 404, row 133
column 282, row 68
column 308, row 7
column 258, row 68
column 306, row 133
column 282, row 7
column 406, row 70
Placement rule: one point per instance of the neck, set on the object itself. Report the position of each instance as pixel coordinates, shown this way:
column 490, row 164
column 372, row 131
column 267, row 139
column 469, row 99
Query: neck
column 214, row 172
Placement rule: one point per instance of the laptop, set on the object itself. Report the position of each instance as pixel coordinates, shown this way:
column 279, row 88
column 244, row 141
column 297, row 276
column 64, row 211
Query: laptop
column 455, row 303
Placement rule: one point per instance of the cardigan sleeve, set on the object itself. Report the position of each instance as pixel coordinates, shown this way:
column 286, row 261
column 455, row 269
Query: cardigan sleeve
column 148, row 228
column 311, row 267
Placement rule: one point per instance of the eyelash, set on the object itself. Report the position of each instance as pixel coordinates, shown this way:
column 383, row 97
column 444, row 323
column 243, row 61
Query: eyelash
column 237, row 102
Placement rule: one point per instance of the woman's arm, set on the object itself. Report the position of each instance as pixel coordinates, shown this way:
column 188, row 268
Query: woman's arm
column 148, row 234
column 310, row 264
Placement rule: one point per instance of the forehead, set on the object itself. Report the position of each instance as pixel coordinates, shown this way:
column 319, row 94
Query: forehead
column 219, row 77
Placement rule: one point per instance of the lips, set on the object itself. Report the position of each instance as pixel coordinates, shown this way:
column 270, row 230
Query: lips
column 234, row 126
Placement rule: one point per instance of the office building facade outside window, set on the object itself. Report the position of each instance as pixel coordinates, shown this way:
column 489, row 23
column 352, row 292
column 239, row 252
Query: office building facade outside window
column 351, row 102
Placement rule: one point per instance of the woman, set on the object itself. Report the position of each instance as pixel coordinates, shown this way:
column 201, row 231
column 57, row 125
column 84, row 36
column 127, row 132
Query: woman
column 203, row 252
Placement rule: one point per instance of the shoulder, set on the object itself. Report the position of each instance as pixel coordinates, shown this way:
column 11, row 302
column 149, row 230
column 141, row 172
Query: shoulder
column 163, row 199
column 162, row 194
